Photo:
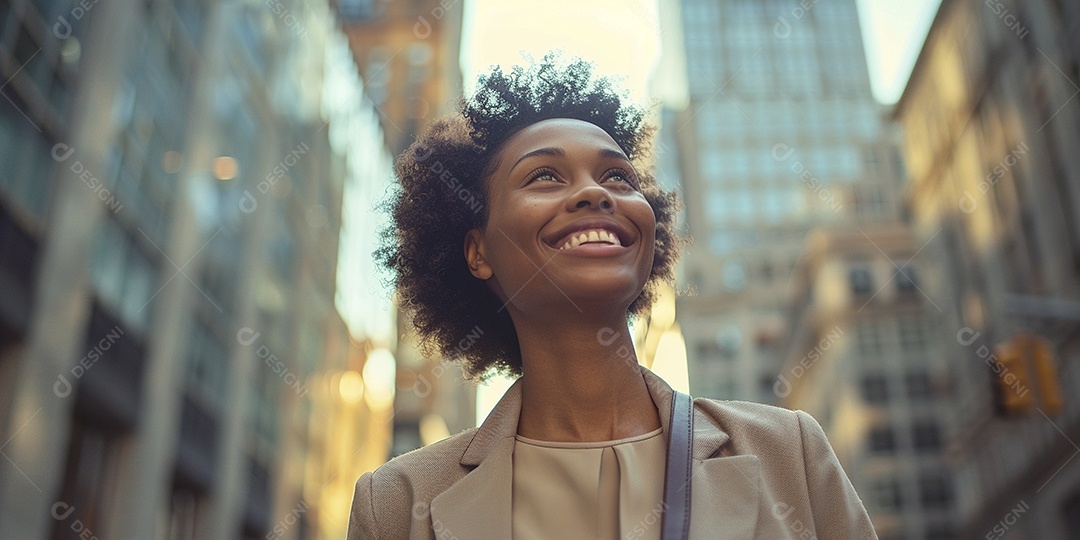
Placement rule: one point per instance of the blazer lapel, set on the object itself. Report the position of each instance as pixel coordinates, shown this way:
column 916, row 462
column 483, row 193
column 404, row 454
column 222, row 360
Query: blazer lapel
column 478, row 505
column 726, row 488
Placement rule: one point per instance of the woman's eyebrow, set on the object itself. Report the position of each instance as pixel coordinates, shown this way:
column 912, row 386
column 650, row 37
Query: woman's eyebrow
column 549, row 151
column 559, row 152
column 611, row 153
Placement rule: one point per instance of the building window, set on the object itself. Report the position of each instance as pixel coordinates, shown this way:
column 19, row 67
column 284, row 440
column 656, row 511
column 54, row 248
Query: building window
column 919, row 385
column 860, row 280
column 1070, row 513
column 939, row 531
column 886, row 494
column 905, row 280
column 875, row 389
column 912, row 335
column 869, row 339
column 935, row 491
column 123, row 275
column 89, row 478
column 880, row 440
column 926, row 435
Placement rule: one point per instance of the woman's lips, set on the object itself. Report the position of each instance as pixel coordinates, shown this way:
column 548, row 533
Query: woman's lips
column 590, row 237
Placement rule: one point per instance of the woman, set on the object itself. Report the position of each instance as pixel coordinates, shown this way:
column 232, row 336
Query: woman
column 528, row 217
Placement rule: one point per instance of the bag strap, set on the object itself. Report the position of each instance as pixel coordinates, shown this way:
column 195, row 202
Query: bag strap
column 675, row 523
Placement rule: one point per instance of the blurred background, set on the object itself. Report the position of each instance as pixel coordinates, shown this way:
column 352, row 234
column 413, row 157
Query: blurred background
column 195, row 343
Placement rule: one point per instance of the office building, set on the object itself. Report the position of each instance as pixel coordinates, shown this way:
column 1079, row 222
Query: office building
column 992, row 123
column 860, row 359
column 780, row 135
column 174, row 365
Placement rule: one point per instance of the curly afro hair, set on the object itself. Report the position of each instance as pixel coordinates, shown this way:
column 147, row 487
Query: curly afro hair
column 442, row 195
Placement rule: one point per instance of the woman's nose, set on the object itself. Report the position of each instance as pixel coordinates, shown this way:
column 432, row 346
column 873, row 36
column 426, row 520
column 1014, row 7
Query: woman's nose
column 592, row 195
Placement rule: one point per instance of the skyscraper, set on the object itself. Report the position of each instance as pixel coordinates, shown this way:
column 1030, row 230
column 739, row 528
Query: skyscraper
column 171, row 358
column 781, row 134
column 991, row 128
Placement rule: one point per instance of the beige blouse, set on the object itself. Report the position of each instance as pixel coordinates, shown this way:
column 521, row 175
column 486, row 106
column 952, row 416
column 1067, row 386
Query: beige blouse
column 606, row 489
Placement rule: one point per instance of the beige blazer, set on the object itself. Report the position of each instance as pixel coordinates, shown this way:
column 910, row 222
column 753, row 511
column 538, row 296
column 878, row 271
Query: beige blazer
column 759, row 472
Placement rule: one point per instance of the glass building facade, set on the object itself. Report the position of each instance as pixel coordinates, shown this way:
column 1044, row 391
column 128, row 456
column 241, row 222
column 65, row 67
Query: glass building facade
column 781, row 135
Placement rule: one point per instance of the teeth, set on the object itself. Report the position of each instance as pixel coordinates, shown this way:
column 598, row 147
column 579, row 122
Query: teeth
column 597, row 235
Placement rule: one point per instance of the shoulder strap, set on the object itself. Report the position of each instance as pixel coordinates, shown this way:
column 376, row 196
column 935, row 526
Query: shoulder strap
column 676, row 516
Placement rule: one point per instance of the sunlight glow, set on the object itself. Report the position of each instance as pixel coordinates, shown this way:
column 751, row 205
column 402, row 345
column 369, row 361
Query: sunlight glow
column 621, row 37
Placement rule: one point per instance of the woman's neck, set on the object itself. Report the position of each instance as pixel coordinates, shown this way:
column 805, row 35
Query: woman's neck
column 582, row 382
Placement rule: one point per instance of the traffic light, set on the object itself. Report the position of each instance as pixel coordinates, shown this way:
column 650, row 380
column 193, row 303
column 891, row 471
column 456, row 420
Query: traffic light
column 1026, row 376
column 1013, row 384
column 1045, row 367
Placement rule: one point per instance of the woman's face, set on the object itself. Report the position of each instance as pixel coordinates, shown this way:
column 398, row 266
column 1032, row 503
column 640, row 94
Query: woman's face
column 567, row 222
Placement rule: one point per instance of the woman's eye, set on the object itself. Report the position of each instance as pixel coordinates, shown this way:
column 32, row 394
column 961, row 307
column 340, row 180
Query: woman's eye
column 543, row 175
column 622, row 176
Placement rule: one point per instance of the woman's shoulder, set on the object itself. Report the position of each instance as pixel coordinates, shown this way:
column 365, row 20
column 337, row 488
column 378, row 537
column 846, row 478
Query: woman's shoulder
column 431, row 460
column 748, row 421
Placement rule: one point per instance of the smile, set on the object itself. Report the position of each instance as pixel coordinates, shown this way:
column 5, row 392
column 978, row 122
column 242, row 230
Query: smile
column 593, row 236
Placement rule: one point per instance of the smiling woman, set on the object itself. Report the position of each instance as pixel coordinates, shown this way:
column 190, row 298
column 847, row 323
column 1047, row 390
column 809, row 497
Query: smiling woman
column 449, row 187
column 569, row 240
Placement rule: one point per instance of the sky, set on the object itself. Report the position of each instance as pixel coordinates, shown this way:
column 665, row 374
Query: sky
column 893, row 32
column 623, row 36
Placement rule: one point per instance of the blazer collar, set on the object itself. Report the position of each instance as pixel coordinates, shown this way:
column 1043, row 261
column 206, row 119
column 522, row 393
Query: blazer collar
column 501, row 423
column 727, row 489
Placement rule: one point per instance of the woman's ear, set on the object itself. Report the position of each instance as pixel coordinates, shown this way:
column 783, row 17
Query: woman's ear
column 474, row 255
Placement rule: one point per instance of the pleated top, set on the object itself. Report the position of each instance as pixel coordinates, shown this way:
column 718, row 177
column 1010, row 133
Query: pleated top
column 605, row 489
